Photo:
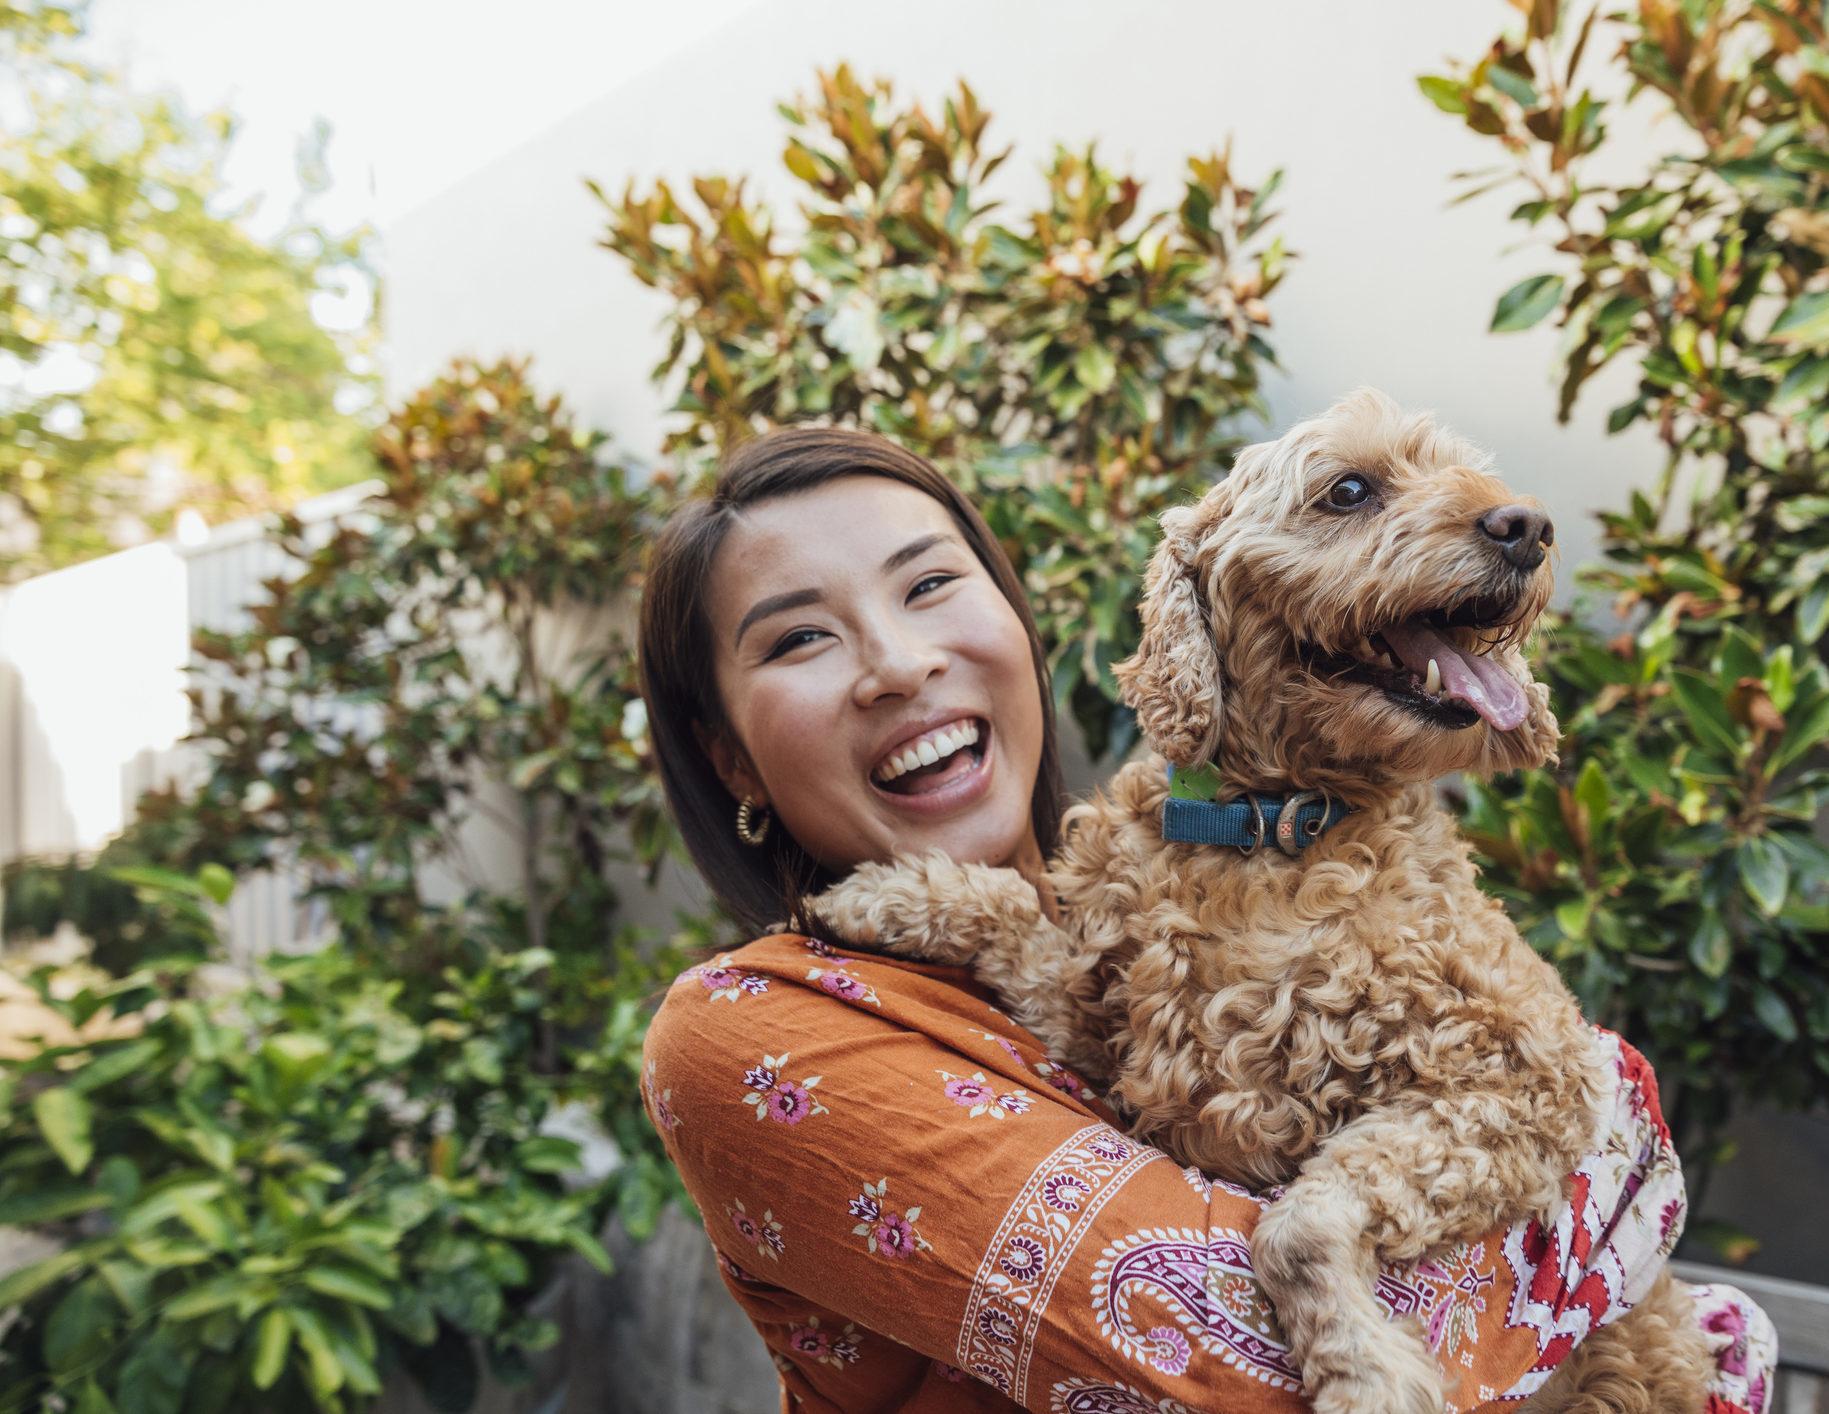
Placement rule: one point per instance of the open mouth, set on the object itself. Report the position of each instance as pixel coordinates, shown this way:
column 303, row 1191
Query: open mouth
column 1440, row 664
column 935, row 761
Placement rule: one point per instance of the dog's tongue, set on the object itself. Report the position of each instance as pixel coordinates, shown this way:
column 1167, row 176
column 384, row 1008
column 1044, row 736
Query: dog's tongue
column 1479, row 682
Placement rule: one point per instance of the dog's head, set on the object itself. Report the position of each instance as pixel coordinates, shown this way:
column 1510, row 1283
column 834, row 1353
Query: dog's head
column 1291, row 619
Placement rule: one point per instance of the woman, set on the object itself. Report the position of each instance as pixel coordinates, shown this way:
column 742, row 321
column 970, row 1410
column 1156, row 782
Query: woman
column 916, row 1206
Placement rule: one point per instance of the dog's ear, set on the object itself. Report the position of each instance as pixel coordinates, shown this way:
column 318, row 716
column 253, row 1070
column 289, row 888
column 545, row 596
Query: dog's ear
column 1172, row 681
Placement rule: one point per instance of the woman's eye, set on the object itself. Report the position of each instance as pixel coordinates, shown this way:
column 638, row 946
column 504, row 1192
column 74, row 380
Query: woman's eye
column 789, row 642
column 935, row 580
column 1349, row 492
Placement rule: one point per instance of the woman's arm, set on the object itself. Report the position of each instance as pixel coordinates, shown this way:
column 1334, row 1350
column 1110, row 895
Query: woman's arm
column 872, row 1140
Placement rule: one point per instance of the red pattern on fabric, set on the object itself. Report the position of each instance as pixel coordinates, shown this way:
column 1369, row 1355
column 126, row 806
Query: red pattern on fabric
column 1644, row 1080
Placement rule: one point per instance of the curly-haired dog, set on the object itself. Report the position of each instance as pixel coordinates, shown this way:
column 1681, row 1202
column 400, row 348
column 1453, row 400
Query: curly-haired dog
column 1342, row 613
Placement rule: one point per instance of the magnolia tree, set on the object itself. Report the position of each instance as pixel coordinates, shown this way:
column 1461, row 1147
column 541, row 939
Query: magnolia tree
column 1673, row 866
column 1078, row 368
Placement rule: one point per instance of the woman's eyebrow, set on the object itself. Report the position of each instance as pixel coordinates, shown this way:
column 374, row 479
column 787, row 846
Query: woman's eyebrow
column 913, row 548
column 776, row 604
column 800, row 598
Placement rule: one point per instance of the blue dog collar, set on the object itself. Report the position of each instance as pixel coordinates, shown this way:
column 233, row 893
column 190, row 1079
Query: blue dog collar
column 1292, row 821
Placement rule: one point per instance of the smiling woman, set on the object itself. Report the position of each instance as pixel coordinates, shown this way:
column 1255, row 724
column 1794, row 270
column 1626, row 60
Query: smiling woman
column 919, row 1206
column 835, row 638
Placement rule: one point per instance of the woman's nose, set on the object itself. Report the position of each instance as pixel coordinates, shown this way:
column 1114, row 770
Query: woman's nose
column 898, row 666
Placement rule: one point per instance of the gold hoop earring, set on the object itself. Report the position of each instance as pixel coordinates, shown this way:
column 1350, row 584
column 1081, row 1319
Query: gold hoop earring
column 747, row 830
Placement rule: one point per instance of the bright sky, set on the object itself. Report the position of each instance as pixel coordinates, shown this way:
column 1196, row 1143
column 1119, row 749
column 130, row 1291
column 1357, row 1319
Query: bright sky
column 419, row 92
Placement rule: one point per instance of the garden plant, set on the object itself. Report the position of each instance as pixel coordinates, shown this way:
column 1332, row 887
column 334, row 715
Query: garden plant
column 1673, row 865
column 272, row 1193
column 1077, row 369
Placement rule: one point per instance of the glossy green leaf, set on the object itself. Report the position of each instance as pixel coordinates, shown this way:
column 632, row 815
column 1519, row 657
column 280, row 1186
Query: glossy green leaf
column 63, row 1118
column 1526, row 303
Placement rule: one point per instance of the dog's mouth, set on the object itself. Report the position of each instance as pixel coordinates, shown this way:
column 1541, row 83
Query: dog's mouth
column 1440, row 663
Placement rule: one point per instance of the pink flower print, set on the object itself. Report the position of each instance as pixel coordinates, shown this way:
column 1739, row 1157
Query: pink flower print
column 1023, row 1258
column 1169, row 1350
column 842, row 984
column 1004, row 1044
column 1063, row 1080
column 952, row 1374
column 727, row 983
column 836, row 1350
column 885, row 1231
column 969, row 1092
column 764, row 1233
column 1670, row 1222
column 820, row 948
column 894, row 1236
column 1110, row 1148
column 789, row 1103
column 1064, row 1191
column 974, row 1094
column 839, row 985
column 1755, row 1394
column 778, row 1098
column 659, row 1102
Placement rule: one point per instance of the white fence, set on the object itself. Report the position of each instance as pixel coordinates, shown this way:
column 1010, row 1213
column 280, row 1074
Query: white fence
column 92, row 704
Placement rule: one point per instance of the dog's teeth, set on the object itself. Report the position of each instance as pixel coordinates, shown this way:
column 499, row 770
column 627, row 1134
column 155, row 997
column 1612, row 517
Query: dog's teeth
column 1433, row 683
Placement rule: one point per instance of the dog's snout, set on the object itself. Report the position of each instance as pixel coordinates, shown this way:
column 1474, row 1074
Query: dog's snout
column 1522, row 534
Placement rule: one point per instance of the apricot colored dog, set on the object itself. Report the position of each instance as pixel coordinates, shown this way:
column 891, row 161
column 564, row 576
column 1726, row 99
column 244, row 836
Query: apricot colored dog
column 1342, row 613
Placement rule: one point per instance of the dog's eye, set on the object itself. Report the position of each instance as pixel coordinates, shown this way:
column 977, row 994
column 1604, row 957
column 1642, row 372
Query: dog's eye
column 1349, row 492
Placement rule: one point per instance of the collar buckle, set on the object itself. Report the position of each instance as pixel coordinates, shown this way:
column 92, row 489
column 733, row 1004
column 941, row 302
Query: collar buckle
column 1291, row 836
column 1257, row 821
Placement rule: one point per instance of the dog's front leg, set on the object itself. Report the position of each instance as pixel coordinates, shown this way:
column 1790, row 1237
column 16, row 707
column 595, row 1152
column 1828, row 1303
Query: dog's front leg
column 1391, row 1186
column 932, row 908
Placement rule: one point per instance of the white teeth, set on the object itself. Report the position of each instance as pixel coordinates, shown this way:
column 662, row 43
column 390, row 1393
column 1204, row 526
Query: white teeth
column 927, row 751
column 1433, row 683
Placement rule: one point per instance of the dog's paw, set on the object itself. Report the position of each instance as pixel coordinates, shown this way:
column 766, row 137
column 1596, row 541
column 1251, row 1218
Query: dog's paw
column 927, row 906
column 1392, row 1375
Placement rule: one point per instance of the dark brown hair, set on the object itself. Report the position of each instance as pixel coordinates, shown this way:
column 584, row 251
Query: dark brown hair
column 764, row 886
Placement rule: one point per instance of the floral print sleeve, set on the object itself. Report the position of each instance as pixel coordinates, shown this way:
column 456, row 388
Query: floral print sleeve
column 921, row 1210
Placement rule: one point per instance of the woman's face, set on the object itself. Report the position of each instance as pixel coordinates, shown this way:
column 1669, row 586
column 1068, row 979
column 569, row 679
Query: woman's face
column 878, row 690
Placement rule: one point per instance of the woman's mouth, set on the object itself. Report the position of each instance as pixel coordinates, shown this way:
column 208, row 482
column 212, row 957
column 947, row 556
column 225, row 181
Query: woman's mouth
column 942, row 767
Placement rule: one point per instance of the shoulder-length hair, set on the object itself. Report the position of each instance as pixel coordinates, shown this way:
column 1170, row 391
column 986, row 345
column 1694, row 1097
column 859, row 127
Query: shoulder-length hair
column 765, row 886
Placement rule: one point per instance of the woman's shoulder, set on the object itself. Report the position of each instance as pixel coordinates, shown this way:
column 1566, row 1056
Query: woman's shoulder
column 788, row 992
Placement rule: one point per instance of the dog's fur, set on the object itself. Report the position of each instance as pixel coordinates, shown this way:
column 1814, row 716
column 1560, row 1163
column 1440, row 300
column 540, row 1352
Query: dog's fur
column 1361, row 1022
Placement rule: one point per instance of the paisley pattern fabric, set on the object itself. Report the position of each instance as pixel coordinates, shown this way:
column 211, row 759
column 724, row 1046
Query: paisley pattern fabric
column 921, row 1210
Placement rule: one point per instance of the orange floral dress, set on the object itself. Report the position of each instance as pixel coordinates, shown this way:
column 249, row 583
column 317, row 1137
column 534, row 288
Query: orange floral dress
column 921, row 1211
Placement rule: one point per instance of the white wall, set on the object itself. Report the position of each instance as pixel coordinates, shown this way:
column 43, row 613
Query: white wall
column 1392, row 288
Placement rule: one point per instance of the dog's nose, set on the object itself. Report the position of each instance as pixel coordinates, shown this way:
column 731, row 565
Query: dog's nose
column 1521, row 534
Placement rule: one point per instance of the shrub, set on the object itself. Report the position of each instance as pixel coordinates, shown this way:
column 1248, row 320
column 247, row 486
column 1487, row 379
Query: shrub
column 1670, row 866
column 272, row 1196
column 1078, row 370
column 450, row 656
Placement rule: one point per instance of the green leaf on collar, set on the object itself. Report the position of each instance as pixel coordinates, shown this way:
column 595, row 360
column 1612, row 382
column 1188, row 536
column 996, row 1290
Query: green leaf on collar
column 1198, row 783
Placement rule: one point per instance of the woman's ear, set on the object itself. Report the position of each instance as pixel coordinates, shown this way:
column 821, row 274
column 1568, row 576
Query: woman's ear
column 731, row 763
column 1172, row 681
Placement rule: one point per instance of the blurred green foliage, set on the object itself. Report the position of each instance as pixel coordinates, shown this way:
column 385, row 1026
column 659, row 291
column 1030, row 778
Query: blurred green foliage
column 449, row 659
column 164, row 355
column 1077, row 369
column 1673, row 866
column 275, row 1195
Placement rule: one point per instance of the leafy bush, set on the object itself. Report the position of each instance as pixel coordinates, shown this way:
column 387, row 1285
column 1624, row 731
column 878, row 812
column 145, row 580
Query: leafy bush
column 450, row 657
column 1078, row 370
column 1671, row 866
column 273, row 1196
